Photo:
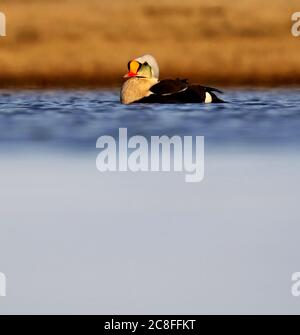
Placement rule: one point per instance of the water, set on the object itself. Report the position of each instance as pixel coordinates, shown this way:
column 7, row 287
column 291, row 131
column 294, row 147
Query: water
column 78, row 118
column 74, row 240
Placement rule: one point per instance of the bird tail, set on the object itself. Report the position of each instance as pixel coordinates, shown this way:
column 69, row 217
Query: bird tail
column 216, row 99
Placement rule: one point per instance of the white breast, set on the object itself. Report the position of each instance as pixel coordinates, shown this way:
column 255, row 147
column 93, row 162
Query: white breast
column 135, row 89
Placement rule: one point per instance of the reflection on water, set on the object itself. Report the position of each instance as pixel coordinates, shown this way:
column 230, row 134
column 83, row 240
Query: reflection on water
column 80, row 117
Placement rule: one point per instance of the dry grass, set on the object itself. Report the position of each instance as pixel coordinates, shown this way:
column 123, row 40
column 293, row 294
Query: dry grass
column 88, row 42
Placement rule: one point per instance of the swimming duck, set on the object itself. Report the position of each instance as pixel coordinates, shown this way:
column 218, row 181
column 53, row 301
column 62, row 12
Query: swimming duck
column 143, row 86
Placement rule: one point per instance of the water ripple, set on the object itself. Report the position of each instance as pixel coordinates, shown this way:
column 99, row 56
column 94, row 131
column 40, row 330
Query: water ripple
column 80, row 117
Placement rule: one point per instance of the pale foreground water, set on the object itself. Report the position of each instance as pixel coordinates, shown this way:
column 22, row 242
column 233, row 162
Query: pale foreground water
column 74, row 240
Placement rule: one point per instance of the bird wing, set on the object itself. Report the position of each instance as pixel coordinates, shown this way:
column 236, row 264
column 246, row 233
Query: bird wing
column 211, row 89
column 169, row 86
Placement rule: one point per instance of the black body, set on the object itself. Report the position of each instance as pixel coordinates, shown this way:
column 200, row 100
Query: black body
column 179, row 91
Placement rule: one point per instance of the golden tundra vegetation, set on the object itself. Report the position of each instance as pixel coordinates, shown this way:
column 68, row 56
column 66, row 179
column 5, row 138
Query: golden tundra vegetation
column 88, row 43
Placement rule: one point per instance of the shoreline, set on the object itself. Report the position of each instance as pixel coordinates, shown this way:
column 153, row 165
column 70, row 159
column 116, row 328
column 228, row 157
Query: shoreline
column 88, row 44
column 115, row 81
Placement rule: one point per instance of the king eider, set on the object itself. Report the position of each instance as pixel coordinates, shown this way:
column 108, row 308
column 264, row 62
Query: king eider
column 143, row 86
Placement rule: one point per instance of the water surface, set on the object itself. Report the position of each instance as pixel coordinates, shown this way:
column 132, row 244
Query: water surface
column 79, row 117
column 74, row 240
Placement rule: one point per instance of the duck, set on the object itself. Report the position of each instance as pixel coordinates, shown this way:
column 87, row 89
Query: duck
column 142, row 85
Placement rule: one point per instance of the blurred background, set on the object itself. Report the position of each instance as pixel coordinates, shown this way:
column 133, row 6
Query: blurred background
column 85, row 43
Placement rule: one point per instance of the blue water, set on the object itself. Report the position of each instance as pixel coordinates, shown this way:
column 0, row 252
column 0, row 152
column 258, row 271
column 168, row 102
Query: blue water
column 74, row 240
column 78, row 118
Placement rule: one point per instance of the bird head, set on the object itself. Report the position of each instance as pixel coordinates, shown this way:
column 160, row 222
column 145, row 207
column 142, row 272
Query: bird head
column 143, row 67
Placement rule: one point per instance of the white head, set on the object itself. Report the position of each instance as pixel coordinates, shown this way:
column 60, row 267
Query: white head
column 137, row 66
